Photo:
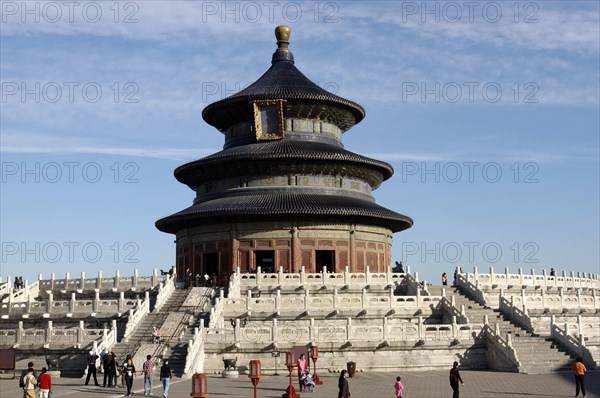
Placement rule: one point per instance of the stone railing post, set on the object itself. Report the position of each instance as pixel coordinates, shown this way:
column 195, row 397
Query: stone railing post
column 579, row 297
column 509, row 339
column 454, row 326
column 28, row 303
column 421, row 329
column 50, row 303
column 258, row 278
column 135, row 279
column 335, row 298
column 491, row 275
column 96, row 302
column 521, row 276
column 278, row 300
column 248, row 299
column 154, row 277
column 274, row 335
column 475, row 274
column 99, row 280
column 544, row 283
column 303, row 275
column 80, row 332
column 506, row 275
column 82, row 281
column 67, row 280
column 117, row 281
column 52, row 279
column 236, row 331
column 346, row 275
column 391, row 298
column 367, row 274
column 312, row 332
column 49, row 332
column 280, row 276
column 19, row 332
column 363, row 298
column 72, row 303
column 121, row 301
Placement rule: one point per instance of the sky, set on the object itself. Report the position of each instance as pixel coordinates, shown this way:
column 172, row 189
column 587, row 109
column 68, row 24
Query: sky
column 487, row 111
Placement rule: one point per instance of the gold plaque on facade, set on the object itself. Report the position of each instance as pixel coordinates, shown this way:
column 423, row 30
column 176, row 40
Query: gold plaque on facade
column 268, row 119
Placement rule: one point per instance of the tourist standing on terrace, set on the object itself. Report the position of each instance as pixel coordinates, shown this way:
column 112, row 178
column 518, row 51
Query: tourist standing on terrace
column 148, row 370
column 45, row 384
column 444, row 279
column 454, row 379
column 165, row 377
column 579, row 371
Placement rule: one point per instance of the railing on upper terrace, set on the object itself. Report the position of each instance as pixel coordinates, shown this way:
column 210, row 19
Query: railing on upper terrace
column 76, row 336
column 508, row 280
column 315, row 280
column 71, row 307
column 80, row 284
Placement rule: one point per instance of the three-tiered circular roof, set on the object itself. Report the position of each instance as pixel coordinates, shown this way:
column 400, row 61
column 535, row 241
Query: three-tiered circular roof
column 287, row 156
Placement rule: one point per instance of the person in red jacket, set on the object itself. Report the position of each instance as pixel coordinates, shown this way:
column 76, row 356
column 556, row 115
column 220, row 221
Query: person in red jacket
column 45, row 384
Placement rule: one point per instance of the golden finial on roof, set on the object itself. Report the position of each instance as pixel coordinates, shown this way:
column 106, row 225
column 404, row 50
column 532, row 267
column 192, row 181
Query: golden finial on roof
column 282, row 33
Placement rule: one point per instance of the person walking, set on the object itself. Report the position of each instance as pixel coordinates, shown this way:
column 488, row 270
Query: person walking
column 129, row 372
column 148, row 371
column 29, row 384
column 343, row 387
column 165, row 377
column 398, row 387
column 91, row 361
column 579, row 372
column 45, row 384
column 454, row 379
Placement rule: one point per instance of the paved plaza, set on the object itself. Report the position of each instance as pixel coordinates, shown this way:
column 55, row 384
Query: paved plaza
column 425, row 384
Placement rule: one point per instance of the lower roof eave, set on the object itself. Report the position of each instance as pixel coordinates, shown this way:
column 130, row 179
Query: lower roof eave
column 177, row 222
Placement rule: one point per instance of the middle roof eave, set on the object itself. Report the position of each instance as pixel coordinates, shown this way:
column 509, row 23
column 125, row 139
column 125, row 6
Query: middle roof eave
column 283, row 150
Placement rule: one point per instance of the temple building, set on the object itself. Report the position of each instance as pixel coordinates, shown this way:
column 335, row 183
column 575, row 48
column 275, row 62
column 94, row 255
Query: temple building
column 283, row 192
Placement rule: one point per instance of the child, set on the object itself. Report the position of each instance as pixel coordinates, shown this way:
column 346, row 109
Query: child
column 399, row 387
